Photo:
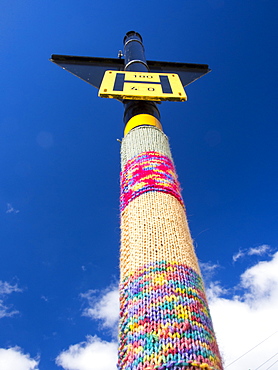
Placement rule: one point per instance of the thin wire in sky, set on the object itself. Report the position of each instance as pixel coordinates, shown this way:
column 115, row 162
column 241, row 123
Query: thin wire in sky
column 272, row 365
column 267, row 361
column 251, row 349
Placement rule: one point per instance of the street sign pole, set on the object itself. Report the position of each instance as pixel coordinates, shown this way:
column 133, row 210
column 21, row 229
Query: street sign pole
column 137, row 111
column 165, row 321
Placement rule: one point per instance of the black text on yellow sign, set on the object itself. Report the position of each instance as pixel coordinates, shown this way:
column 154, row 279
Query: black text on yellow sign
column 142, row 86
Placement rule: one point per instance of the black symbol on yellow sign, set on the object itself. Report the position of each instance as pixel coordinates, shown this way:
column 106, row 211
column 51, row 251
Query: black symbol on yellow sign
column 164, row 83
column 134, row 88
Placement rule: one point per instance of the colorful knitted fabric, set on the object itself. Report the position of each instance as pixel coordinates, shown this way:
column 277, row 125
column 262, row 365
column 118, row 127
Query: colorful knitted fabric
column 148, row 171
column 164, row 319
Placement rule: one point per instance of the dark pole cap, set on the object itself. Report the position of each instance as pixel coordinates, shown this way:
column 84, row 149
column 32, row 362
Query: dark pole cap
column 131, row 33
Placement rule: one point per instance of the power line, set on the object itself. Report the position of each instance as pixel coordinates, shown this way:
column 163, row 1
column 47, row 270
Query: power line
column 267, row 361
column 272, row 365
column 251, row 349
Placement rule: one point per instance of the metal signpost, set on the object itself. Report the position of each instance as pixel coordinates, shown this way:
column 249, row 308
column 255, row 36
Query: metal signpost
column 164, row 316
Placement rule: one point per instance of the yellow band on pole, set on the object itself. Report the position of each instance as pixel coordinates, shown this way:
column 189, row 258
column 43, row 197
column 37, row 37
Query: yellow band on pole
column 140, row 120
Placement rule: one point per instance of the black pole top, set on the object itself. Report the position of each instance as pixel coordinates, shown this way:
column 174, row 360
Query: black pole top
column 135, row 60
column 134, row 53
column 132, row 33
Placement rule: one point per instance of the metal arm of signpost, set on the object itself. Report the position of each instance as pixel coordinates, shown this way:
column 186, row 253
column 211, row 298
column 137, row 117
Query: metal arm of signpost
column 93, row 71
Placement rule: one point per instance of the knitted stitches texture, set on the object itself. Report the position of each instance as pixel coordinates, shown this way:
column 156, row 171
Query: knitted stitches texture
column 144, row 139
column 154, row 228
column 165, row 321
column 148, row 171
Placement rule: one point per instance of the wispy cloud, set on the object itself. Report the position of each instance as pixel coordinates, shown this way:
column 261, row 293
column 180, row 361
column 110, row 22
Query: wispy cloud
column 238, row 255
column 6, row 289
column 14, row 358
column 256, row 251
column 11, row 209
column 259, row 251
column 6, row 310
column 103, row 306
column 208, row 270
column 209, row 267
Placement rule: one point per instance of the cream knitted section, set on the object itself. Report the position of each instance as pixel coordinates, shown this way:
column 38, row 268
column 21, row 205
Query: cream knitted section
column 154, row 228
column 144, row 139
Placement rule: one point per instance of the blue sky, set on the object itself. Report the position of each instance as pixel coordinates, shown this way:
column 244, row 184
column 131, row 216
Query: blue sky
column 59, row 172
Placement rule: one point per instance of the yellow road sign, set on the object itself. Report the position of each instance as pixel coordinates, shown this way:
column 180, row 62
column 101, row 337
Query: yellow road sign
column 142, row 86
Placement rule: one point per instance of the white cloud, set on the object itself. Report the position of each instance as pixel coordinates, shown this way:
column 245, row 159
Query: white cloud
column 208, row 267
column 256, row 251
column 259, row 251
column 215, row 290
column 248, row 319
column 11, row 209
column 6, row 311
column 95, row 353
column 245, row 320
column 238, row 255
column 15, row 359
column 6, row 289
column 208, row 270
column 104, row 308
column 92, row 354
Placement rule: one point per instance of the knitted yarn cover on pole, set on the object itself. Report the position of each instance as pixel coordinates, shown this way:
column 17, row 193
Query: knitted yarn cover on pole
column 164, row 317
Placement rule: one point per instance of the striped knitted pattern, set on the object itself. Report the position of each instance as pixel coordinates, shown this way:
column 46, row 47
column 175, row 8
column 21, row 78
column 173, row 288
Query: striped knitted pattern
column 148, row 171
column 164, row 316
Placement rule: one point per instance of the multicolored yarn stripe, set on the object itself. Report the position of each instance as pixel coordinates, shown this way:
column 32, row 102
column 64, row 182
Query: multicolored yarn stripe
column 165, row 321
column 148, row 171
